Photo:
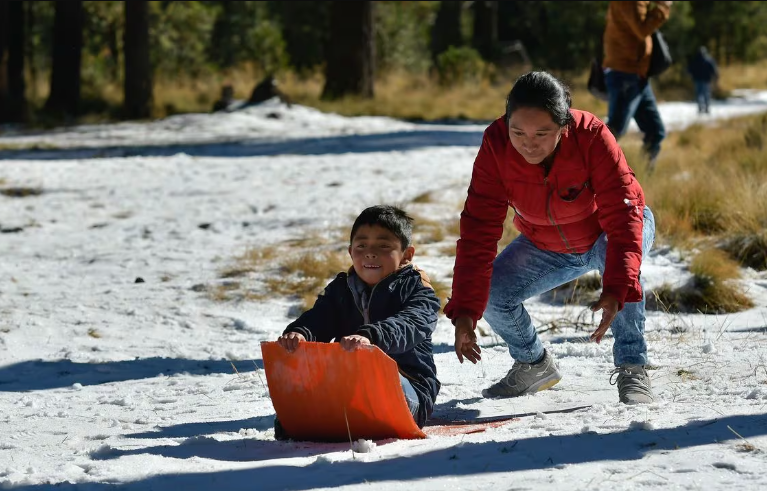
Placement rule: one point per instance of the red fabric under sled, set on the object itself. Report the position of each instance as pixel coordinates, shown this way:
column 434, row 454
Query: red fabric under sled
column 322, row 392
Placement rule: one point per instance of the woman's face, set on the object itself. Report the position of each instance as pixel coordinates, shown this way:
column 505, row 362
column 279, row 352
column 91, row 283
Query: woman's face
column 533, row 133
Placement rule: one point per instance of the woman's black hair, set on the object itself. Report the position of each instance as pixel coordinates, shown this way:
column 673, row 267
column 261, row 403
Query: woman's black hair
column 541, row 90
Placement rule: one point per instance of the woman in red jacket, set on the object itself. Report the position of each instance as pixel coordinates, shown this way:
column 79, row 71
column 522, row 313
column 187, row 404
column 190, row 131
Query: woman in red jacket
column 579, row 208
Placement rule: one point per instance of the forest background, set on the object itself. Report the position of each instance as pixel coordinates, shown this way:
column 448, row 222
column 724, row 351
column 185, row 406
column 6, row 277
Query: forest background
column 88, row 61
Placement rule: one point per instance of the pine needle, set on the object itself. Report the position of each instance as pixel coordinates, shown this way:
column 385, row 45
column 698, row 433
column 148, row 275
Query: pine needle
column 746, row 446
column 349, row 432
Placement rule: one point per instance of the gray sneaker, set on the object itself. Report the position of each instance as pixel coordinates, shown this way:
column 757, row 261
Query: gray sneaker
column 526, row 378
column 633, row 384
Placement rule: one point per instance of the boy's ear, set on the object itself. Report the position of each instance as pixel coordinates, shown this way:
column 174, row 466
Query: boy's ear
column 350, row 250
column 407, row 258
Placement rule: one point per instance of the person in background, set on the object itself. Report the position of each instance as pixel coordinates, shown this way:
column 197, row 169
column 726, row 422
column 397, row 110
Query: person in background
column 579, row 208
column 627, row 44
column 704, row 72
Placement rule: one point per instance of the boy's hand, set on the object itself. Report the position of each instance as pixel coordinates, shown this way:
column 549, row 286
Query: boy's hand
column 609, row 307
column 466, row 340
column 353, row 342
column 290, row 341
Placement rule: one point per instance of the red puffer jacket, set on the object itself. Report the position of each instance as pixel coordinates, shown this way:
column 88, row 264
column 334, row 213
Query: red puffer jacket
column 589, row 189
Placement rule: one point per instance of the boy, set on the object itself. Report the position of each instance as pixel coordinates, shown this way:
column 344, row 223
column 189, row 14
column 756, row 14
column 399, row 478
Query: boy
column 383, row 300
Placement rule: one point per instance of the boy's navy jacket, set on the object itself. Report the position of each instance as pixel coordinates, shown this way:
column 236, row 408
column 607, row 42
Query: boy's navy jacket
column 401, row 317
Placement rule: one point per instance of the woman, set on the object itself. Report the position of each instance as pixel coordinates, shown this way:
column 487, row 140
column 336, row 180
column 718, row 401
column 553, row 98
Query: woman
column 579, row 208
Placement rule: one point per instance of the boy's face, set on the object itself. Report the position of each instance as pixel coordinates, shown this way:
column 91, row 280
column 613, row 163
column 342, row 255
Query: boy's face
column 376, row 253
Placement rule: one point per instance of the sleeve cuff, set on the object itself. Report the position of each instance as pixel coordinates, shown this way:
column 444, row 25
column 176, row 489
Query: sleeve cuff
column 306, row 333
column 367, row 333
column 618, row 293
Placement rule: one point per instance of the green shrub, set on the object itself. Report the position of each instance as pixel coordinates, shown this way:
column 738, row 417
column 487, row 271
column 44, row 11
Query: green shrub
column 459, row 65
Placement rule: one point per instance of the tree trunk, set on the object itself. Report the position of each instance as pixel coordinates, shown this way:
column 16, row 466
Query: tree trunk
column 221, row 38
column 485, row 36
column 64, row 97
column 17, row 104
column 350, row 57
column 446, row 31
column 4, row 90
column 29, row 48
column 138, row 68
column 114, row 52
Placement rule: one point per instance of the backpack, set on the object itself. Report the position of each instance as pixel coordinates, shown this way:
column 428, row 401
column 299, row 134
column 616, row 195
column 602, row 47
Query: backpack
column 660, row 59
column 596, row 84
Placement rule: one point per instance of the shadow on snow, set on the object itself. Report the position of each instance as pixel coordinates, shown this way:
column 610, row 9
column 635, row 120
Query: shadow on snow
column 381, row 142
column 40, row 375
column 468, row 459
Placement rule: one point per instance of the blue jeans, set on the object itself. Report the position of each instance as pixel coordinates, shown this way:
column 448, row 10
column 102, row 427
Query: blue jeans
column 522, row 271
column 703, row 95
column 411, row 397
column 631, row 96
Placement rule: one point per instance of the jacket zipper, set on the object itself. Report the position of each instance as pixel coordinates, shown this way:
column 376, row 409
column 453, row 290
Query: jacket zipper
column 551, row 216
column 370, row 297
column 366, row 321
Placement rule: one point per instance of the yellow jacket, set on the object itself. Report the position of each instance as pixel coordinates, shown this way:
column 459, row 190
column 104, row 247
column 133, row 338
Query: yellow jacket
column 627, row 38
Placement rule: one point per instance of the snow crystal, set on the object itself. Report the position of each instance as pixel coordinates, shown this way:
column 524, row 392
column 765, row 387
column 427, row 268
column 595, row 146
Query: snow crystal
column 709, row 347
column 363, row 446
column 641, row 425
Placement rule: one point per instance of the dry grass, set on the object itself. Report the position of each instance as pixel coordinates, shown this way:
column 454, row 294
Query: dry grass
column 406, row 96
column 739, row 75
column 428, row 231
column 423, row 198
column 442, row 290
column 686, row 375
column 317, row 238
column 225, row 291
column 714, row 264
column 748, row 249
column 713, row 289
column 510, row 232
column 710, row 184
column 398, row 94
column 581, row 291
column 714, row 272
column 420, row 97
column 447, row 250
column 303, row 276
column 300, row 275
column 20, row 192
column 250, row 261
column 293, row 272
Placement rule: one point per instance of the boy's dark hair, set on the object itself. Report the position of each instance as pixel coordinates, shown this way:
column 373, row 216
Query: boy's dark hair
column 389, row 217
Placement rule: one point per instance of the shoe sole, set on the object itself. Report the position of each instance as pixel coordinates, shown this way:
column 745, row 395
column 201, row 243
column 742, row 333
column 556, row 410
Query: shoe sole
column 544, row 384
column 634, row 403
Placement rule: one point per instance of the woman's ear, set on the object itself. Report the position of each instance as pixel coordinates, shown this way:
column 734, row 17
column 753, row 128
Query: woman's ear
column 407, row 257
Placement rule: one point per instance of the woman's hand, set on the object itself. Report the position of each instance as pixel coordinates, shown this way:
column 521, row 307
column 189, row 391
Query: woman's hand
column 466, row 340
column 609, row 307
column 290, row 341
column 353, row 342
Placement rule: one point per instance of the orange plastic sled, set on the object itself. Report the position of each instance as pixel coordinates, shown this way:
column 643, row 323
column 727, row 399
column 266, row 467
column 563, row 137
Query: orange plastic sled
column 322, row 392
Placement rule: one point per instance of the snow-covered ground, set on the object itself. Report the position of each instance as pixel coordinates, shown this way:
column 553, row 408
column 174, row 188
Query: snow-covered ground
column 106, row 382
